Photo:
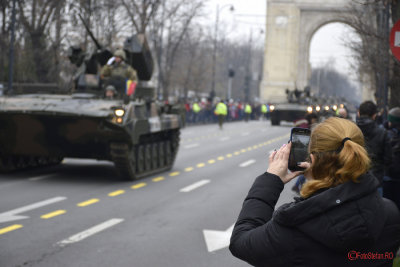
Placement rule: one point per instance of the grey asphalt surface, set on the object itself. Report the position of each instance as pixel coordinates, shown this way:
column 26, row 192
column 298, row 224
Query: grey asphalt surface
column 159, row 224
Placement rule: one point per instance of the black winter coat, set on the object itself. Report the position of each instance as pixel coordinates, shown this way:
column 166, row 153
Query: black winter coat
column 377, row 142
column 326, row 229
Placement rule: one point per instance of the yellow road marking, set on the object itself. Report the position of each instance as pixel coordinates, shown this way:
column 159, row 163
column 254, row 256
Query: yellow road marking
column 220, row 158
column 10, row 228
column 249, row 149
column 211, row 161
column 243, row 150
column 53, row 214
column 88, row 202
column 157, row 179
column 189, row 169
column 229, row 155
column 200, row 165
column 137, row 186
column 255, row 147
column 174, row 173
column 116, row 193
column 236, row 153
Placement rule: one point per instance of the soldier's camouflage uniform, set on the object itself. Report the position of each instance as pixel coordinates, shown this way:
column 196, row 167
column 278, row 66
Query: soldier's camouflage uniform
column 119, row 69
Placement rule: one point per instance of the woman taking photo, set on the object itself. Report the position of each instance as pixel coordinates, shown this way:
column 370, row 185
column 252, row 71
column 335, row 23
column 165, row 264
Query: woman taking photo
column 339, row 220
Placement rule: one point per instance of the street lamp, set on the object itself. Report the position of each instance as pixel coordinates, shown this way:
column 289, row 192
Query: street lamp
column 214, row 58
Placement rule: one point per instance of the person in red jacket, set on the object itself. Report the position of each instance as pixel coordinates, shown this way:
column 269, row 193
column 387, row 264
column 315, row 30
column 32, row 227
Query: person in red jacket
column 339, row 220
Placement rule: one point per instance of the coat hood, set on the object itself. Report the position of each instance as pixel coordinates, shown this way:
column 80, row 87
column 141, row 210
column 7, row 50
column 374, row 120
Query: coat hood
column 341, row 217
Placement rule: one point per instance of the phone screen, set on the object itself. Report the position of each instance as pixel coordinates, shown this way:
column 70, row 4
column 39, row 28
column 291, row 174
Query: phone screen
column 299, row 151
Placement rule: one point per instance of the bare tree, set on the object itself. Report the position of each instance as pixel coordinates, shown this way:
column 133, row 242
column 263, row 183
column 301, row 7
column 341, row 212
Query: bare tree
column 370, row 19
column 168, row 30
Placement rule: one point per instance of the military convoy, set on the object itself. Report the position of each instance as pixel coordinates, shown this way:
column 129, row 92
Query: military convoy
column 297, row 105
column 140, row 136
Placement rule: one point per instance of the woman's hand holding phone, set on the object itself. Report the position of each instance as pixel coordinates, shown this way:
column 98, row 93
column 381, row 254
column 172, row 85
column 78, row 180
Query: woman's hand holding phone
column 278, row 164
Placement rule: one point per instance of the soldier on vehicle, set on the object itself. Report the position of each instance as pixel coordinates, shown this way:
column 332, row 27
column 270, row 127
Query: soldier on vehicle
column 117, row 68
column 110, row 92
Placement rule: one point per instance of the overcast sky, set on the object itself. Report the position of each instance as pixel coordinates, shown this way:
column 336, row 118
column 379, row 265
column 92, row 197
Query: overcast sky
column 249, row 16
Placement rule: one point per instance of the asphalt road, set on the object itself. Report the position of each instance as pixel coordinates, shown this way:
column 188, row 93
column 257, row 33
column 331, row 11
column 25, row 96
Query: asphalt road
column 81, row 214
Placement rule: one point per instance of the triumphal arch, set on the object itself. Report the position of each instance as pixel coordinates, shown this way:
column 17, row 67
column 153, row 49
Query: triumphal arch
column 290, row 27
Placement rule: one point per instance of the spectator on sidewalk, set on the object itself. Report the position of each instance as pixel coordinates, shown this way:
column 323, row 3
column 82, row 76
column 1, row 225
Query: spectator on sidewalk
column 377, row 140
column 391, row 182
column 339, row 215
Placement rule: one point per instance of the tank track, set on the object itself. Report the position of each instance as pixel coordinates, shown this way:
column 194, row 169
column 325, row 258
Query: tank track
column 16, row 163
column 154, row 153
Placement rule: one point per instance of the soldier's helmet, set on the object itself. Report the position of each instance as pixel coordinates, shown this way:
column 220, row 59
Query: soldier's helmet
column 120, row 53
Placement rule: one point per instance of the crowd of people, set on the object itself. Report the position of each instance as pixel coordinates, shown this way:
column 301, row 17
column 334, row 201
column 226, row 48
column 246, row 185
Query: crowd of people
column 205, row 111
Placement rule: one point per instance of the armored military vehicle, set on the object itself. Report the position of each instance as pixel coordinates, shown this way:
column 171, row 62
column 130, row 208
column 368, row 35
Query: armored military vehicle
column 298, row 104
column 134, row 132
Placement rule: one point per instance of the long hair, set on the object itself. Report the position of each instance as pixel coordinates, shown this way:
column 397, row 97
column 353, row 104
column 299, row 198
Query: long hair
column 335, row 161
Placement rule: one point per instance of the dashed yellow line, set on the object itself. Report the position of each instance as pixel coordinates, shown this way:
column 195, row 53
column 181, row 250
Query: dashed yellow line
column 188, row 169
column 243, row 150
column 157, row 179
column 220, row 158
column 174, row 173
column 88, row 202
column 200, row 165
column 249, row 149
column 139, row 185
column 53, row 214
column 236, row 153
column 229, row 155
column 116, row 193
column 255, row 147
column 211, row 161
column 10, row 228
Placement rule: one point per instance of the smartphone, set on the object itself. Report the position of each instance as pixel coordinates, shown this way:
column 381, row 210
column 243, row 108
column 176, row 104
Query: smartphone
column 300, row 138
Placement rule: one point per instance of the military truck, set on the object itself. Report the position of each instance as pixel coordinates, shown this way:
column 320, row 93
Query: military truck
column 138, row 135
column 298, row 104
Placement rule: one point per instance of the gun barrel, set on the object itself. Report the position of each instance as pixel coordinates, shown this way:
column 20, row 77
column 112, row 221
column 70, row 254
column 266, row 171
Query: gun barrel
column 90, row 33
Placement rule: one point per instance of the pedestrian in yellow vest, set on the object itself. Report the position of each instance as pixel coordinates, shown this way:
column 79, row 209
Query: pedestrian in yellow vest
column 196, row 109
column 221, row 111
column 247, row 112
column 264, row 110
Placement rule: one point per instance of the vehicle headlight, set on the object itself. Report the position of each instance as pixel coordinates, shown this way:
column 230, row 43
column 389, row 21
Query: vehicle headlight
column 318, row 108
column 334, row 107
column 119, row 112
column 326, row 108
column 271, row 108
column 309, row 109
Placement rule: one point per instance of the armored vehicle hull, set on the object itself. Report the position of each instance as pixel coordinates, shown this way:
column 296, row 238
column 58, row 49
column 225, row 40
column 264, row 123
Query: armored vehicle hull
column 287, row 112
column 43, row 129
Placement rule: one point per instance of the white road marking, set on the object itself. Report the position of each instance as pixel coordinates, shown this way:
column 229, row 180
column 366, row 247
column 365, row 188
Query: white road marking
column 192, row 145
column 194, row 186
column 225, row 138
column 216, row 240
column 11, row 215
column 245, row 134
column 247, row 163
column 89, row 232
column 37, row 178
